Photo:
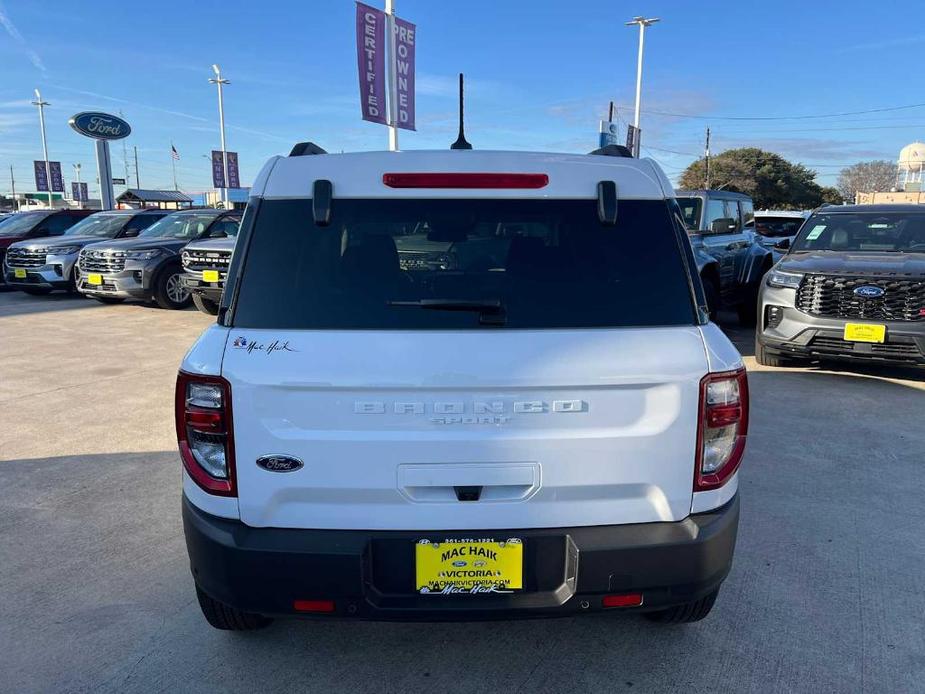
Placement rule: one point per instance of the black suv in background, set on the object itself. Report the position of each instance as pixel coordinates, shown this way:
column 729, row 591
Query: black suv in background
column 36, row 223
column 730, row 260
column 148, row 267
column 205, row 265
column 38, row 266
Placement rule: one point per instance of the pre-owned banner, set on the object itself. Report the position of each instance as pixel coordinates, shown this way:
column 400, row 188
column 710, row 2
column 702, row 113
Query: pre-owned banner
column 404, row 73
column 370, row 25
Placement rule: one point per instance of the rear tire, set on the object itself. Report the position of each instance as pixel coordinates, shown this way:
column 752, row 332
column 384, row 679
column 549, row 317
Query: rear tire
column 205, row 305
column 686, row 613
column 36, row 291
column 221, row 616
column 169, row 291
column 109, row 299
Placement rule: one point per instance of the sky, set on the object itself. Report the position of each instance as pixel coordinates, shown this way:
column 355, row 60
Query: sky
column 539, row 75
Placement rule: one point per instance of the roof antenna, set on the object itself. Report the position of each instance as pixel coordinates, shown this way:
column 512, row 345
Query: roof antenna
column 461, row 140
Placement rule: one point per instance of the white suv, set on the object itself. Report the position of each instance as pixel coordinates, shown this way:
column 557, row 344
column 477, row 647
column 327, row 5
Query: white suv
column 460, row 385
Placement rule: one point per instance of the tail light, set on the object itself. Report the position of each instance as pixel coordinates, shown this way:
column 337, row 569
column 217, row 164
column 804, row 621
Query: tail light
column 204, row 432
column 722, row 428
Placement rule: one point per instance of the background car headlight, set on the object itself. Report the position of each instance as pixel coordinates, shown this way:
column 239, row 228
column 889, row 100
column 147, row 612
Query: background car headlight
column 790, row 280
column 60, row 250
column 142, row 255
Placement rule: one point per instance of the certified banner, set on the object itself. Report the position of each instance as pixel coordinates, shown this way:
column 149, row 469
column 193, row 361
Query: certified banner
column 405, row 34
column 218, row 169
column 370, row 25
column 234, row 180
column 57, row 180
column 41, row 176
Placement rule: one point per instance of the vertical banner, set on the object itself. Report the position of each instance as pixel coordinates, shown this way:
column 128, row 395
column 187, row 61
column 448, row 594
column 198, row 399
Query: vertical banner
column 57, row 180
column 632, row 139
column 234, row 180
column 75, row 191
column 84, row 194
column 41, row 176
column 218, row 169
column 370, row 24
column 404, row 73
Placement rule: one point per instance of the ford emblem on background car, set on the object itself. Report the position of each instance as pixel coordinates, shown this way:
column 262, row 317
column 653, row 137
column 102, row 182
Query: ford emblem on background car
column 279, row 463
column 100, row 126
column 869, row 291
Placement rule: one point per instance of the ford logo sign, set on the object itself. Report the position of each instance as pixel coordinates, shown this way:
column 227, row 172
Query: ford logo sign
column 279, row 463
column 100, row 126
column 869, row 292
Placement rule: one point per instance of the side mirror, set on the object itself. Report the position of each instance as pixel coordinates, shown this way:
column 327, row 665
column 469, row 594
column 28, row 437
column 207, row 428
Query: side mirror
column 782, row 245
column 723, row 225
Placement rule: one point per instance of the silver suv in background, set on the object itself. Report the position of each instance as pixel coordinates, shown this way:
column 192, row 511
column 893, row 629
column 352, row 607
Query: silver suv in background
column 38, row 266
column 148, row 267
column 205, row 265
column 730, row 261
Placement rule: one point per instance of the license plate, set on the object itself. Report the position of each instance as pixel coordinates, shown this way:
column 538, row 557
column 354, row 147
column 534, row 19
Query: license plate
column 19, row 273
column 469, row 567
column 210, row 275
column 94, row 278
column 865, row 332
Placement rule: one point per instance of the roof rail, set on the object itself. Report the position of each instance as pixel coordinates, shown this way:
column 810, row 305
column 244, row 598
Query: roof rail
column 304, row 148
column 613, row 151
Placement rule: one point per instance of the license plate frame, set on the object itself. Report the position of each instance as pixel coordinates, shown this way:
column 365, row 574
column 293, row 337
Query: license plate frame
column 864, row 332
column 469, row 567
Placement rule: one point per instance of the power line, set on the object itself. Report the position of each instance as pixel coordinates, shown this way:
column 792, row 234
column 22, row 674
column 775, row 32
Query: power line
column 801, row 117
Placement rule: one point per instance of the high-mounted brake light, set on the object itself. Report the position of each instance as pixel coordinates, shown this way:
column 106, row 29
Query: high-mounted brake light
column 465, row 180
column 722, row 428
column 204, row 431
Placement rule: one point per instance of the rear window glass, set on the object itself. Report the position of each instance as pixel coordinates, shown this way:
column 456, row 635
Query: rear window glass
column 690, row 212
column 458, row 264
column 767, row 225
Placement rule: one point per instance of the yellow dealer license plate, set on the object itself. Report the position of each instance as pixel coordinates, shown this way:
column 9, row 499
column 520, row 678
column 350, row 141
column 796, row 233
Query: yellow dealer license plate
column 19, row 273
column 469, row 566
column 94, row 278
column 864, row 332
column 210, row 275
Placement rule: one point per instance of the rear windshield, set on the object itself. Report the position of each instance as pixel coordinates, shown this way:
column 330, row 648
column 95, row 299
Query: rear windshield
column 458, row 264
column 777, row 226
column 902, row 232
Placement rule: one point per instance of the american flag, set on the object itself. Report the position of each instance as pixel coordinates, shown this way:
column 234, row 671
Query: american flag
column 174, row 153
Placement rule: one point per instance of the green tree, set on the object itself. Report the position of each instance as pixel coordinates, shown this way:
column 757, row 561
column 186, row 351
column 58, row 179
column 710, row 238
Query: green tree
column 770, row 180
column 832, row 196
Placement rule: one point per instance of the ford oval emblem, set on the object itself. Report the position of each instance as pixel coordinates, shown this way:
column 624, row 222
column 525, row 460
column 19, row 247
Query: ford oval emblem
column 100, row 126
column 459, row 563
column 279, row 463
column 869, row 291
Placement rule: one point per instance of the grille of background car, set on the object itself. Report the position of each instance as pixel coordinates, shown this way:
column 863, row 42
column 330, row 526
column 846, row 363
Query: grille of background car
column 833, row 295
column 206, row 260
column 99, row 261
column 25, row 257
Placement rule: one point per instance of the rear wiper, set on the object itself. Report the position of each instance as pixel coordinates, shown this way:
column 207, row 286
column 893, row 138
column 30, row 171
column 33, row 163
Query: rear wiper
column 491, row 311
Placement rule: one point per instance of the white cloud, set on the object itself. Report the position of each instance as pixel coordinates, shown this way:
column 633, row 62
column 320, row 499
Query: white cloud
column 18, row 38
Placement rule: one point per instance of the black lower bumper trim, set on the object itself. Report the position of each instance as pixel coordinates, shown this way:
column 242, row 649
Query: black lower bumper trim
column 830, row 345
column 370, row 574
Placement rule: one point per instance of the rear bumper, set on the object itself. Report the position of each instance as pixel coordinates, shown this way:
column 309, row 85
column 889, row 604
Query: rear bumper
column 370, row 574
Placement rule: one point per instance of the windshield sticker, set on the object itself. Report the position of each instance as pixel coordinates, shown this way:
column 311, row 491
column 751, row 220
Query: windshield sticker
column 252, row 346
column 816, row 232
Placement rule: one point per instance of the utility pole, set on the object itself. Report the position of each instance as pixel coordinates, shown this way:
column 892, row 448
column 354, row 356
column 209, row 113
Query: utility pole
column 124, row 152
column 137, row 178
column 643, row 23
column 706, row 157
column 217, row 80
column 42, row 104
column 393, row 77
column 13, row 187
column 80, row 203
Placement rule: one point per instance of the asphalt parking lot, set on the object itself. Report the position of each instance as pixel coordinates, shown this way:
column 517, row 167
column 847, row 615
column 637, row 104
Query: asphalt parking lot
column 826, row 594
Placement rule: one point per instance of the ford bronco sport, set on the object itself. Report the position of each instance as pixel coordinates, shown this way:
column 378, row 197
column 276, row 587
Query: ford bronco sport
column 537, row 418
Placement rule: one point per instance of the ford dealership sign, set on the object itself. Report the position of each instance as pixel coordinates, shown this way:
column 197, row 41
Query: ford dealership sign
column 100, row 126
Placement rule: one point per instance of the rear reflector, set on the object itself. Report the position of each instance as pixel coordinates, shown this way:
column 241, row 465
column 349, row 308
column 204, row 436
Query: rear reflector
column 465, row 180
column 313, row 605
column 624, row 600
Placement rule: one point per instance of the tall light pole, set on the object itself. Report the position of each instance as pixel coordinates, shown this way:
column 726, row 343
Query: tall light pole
column 42, row 104
column 221, row 122
column 80, row 202
column 392, row 75
column 643, row 23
